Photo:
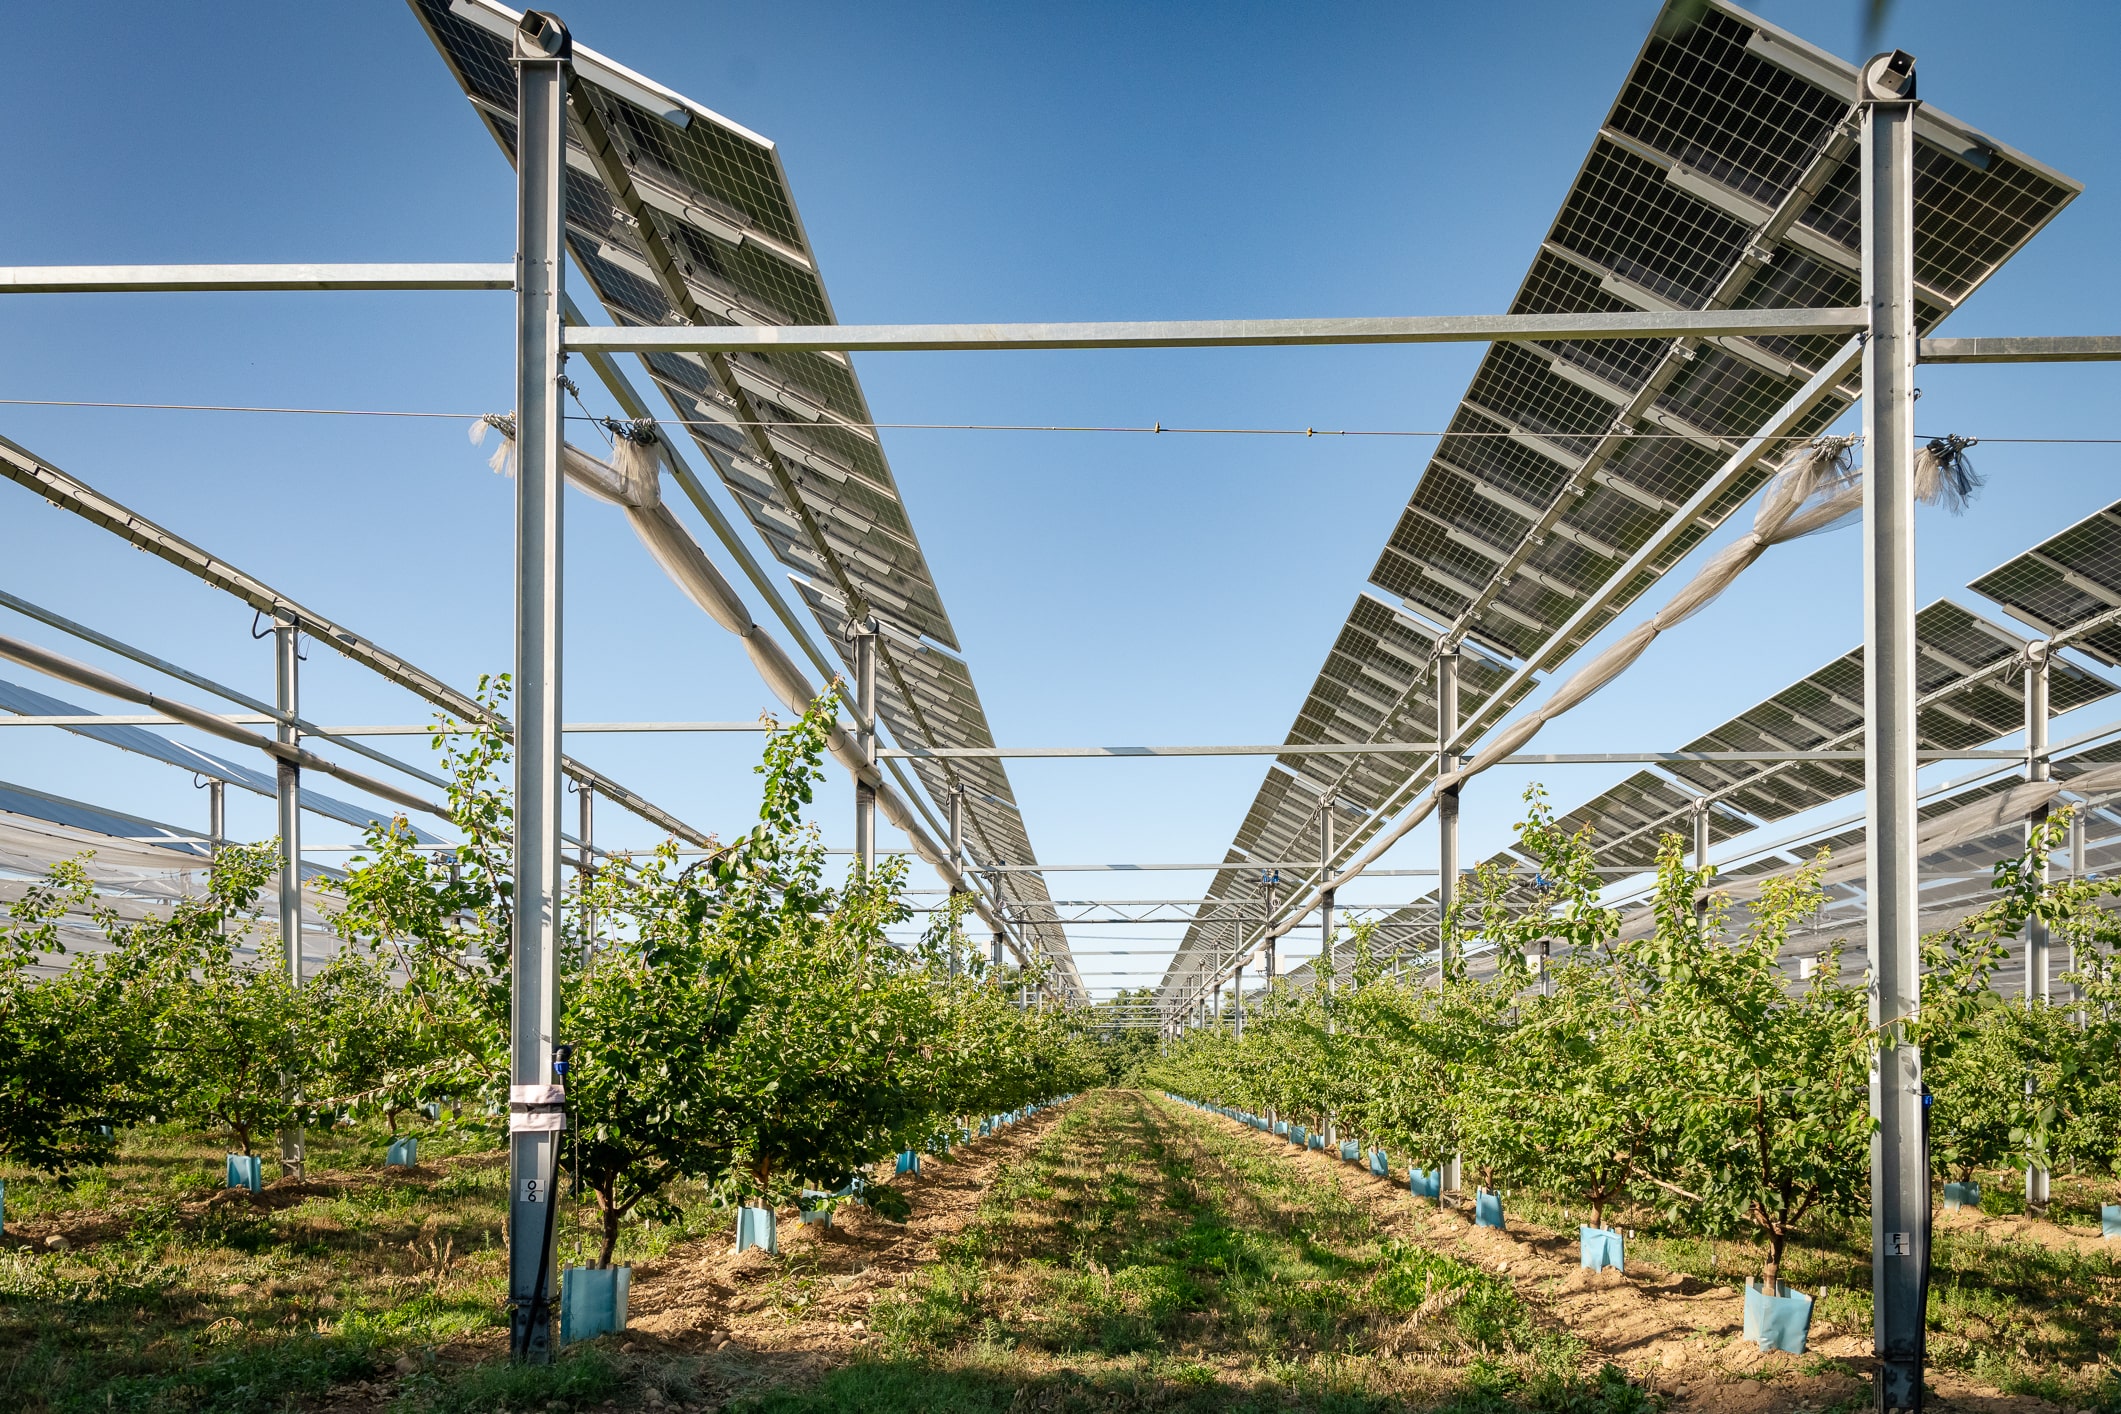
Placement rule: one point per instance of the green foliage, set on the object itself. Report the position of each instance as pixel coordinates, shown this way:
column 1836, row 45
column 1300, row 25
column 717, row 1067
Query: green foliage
column 737, row 1020
column 1680, row 1067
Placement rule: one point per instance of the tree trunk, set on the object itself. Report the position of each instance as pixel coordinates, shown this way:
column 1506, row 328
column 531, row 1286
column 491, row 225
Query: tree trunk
column 1772, row 1272
column 609, row 1212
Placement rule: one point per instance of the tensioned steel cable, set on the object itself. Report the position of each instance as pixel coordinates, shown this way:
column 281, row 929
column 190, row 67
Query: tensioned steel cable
column 1152, row 429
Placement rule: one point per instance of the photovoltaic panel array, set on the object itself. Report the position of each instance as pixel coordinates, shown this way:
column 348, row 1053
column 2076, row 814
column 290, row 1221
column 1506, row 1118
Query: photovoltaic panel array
column 1965, row 703
column 940, row 687
column 679, row 216
column 2068, row 582
column 1725, row 176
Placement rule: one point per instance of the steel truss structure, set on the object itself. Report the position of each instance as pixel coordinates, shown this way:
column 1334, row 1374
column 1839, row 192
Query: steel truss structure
column 1759, row 234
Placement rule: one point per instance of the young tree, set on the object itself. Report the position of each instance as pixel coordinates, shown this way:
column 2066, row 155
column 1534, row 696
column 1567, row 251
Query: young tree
column 1767, row 1088
column 72, row 1059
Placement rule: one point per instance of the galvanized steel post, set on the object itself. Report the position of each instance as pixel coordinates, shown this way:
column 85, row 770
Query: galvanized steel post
column 542, row 57
column 287, row 798
column 1701, row 852
column 864, row 634
column 287, row 793
column 1270, row 891
column 1325, row 897
column 957, row 862
column 1899, row 1150
column 1446, row 801
column 585, row 873
column 2038, row 944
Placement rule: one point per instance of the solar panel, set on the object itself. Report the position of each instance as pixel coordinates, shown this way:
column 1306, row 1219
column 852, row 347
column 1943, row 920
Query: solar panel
column 1725, row 176
column 1824, row 711
column 939, row 689
column 679, row 216
column 2067, row 581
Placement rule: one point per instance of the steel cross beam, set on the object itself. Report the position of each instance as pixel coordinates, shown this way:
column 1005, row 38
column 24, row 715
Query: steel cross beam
column 2077, row 348
column 129, row 279
column 1212, row 333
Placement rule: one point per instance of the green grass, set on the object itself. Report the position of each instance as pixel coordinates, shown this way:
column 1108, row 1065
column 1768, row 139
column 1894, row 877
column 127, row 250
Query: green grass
column 1143, row 1256
column 176, row 1295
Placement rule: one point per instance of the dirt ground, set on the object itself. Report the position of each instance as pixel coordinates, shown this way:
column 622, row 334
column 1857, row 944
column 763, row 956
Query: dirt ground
column 1676, row 1333
column 747, row 1323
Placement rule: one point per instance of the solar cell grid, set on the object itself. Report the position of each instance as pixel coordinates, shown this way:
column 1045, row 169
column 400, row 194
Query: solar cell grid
column 2067, row 580
column 676, row 215
column 1824, row 711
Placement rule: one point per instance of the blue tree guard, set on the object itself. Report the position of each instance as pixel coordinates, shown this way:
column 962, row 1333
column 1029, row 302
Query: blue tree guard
column 1961, row 1195
column 1487, row 1208
column 1380, row 1164
column 1350, row 1151
column 2110, row 1220
column 909, row 1162
column 593, row 1301
column 245, row 1171
column 1780, row 1321
column 816, row 1207
column 405, row 1153
column 1425, row 1183
column 755, row 1228
column 1603, row 1247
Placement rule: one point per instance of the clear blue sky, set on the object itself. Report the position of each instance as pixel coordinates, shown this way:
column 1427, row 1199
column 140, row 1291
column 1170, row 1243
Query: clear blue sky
column 951, row 162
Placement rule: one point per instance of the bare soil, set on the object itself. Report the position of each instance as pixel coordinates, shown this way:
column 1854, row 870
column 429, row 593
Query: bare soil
column 1677, row 1334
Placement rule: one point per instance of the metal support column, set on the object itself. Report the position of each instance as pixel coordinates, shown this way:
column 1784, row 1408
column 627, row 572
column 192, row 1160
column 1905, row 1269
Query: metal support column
column 2038, row 944
column 1237, row 983
column 865, row 739
column 216, row 823
column 542, row 57
column 1325, row 898
column 1446, row 803
column 1270, row 888
column 1899, row 1157
column 2038, row 972
column 287, row 798
column 1701, row 852
column 2076, row 873
column 957, row 861
column 585, row 874
column 287, row 794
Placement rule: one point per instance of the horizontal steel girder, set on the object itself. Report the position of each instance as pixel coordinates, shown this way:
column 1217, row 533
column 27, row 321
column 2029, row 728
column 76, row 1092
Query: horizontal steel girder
column 1214, row 333
column 2076, row 348
column 147, row 279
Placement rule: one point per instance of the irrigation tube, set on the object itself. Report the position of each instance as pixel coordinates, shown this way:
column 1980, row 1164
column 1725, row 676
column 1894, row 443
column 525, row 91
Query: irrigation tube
column 80, row 674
